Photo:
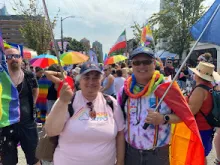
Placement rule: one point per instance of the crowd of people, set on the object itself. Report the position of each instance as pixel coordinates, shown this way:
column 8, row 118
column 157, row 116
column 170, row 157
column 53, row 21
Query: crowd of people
column 114, row 121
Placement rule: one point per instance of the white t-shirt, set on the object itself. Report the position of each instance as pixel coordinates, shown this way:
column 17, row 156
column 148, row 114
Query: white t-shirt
column 86, row 141
column 118, row 83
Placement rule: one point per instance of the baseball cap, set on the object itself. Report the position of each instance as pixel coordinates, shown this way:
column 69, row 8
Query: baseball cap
column 88, row 67
column 142, row 50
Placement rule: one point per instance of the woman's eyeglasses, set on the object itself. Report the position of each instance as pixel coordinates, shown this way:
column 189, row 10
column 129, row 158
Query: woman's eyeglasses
column 144, row 62
column 92, row 112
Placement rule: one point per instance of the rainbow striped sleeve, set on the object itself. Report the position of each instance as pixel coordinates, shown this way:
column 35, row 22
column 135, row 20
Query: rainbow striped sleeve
column 44, row 85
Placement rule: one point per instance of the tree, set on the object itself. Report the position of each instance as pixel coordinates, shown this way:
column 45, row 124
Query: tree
column 35, row 29
column 75, row 45
column 175, row 21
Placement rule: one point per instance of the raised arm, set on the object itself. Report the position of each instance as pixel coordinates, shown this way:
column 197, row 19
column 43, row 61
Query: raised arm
column 59, row 114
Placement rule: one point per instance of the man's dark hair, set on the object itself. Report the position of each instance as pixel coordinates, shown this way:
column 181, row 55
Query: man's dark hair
column 119, row 73
column 38, row 69
column 54, row 68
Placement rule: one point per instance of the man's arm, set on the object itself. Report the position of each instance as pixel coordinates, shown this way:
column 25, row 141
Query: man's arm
column 35, row 92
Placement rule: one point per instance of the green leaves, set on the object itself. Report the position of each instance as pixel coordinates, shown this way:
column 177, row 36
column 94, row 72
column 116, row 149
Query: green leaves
column 35, row 29
column 75, row 45
column 173, row 24
column 175, row 21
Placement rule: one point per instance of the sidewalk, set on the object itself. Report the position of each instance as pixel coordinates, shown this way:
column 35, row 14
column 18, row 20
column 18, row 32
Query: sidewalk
column 22, row 161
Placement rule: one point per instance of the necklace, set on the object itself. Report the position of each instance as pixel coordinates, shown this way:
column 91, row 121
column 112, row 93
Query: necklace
column 18, row 80
column 156, row 79
column 138, row 112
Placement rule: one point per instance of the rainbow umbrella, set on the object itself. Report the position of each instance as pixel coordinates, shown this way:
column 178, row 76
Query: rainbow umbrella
column 70, row 58
column 44, row 61
column 115, row 59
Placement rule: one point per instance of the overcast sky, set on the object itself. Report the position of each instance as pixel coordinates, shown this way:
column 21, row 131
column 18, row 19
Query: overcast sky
column 102, row 20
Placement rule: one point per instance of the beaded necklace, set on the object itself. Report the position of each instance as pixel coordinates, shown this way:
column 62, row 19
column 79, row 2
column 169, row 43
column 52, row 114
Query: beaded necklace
column 132, row 90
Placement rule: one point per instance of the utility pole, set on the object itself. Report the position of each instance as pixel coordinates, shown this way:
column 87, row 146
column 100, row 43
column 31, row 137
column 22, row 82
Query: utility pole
column 61, row 21
column 62, row 51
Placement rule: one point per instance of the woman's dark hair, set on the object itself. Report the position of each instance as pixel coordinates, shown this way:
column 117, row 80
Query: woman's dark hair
column 123, row 65
column 54, row 68
column 113, row 71
column 119, row 73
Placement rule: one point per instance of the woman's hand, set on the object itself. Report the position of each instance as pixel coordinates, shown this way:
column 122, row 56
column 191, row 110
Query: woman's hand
column 66, row 93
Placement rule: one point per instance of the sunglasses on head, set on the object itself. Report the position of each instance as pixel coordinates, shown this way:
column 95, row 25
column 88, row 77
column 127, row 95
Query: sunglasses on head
column 10, row 56
column 144, row 62
column 105, row 70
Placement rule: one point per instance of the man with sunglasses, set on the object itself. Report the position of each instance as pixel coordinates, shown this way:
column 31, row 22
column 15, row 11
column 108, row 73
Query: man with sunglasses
column 147, row 131
column 169, row 70
column 24, row 132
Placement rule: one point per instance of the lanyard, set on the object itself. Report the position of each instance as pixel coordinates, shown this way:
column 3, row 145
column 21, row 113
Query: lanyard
column 128, row 124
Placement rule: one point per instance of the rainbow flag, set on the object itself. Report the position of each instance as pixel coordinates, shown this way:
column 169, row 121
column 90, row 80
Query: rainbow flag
column 9, row 100
column 186, row 144
column 146, row 35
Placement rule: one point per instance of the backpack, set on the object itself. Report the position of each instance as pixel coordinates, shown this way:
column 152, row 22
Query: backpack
column 47, row 145
column 213, row 118
column 124, row 98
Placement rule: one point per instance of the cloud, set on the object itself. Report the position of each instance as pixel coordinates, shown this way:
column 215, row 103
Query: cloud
column 102, row 20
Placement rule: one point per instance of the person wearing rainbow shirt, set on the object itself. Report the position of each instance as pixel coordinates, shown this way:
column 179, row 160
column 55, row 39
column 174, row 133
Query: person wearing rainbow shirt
column 148, row 131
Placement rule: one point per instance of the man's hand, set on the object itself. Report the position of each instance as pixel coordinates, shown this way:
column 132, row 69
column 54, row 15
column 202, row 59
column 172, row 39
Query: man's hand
column 154, row 118
column 66, row 93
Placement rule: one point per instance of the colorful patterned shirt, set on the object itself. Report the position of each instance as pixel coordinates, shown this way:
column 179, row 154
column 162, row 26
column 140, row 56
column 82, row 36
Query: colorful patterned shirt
column 140, row 138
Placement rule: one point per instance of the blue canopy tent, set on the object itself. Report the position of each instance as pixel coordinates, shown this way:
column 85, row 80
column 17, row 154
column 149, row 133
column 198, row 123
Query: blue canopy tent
column 162, row 54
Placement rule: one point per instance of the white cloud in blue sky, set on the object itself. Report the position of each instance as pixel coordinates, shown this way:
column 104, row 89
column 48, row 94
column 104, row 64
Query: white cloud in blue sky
column 102, row 20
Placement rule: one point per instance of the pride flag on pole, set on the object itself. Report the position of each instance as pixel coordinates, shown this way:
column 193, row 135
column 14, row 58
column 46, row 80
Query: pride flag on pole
column 146, row 35
column 9, row 100
column 186, row 144
column 211, row 34
column 121, row 43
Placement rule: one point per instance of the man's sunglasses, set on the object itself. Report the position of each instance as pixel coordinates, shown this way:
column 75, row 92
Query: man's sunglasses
column 144, row 62
column 105, row 70
column 10, row 56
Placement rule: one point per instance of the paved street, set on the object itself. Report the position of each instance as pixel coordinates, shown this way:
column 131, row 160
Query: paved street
column 22, row 158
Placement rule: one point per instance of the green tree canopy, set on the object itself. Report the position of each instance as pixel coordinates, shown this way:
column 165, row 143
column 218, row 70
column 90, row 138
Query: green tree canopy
column 74, row 45
column 174, row 22
column 35, row 30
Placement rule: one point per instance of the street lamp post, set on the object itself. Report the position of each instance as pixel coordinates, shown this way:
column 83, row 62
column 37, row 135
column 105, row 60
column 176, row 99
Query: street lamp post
column 62, row 19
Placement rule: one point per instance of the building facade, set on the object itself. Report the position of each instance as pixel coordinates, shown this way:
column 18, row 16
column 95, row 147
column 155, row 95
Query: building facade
column 97, row 48
column 10, row 26
column 3, row 10
column 86, row 43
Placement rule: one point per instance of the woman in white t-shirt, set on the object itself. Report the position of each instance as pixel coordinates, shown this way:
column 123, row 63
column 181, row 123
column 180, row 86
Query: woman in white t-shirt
column 118, row 81
column 94, row 134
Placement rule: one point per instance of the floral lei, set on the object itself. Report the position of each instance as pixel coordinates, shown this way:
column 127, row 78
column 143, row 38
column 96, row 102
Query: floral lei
column 131, row 88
